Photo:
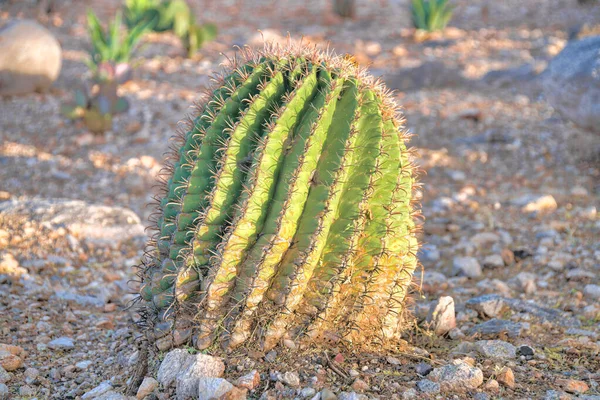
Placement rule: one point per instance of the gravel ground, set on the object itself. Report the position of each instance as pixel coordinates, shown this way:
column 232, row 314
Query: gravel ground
column 510, row 197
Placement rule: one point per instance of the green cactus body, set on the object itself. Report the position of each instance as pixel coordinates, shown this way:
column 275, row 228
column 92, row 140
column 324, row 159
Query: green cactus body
column 288, row 209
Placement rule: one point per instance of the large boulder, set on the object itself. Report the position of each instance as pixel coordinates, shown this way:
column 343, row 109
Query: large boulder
column 572, row 82
column 30, row 58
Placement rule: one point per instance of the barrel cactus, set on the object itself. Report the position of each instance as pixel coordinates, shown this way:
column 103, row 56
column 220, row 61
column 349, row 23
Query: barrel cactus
column 287, row 210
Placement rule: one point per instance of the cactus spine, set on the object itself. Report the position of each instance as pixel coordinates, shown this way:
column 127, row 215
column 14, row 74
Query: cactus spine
column 287, row 209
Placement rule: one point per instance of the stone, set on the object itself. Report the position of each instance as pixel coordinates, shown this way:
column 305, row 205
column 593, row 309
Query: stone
column 200, row 366
column 466, row 266
column 236, row 394
column 9, row 361
column 351, row 396
column 427, row 386
column 291, row 379
column 526, row 282
column 409, row 394
column 212, row 388
column 592, row 292
column 4, row 376
column 537, row 203
column 506, row 377
column 99, row 224
column 175, row 363
column 573, row 385
column 249, row 381
column 557, row 395
column 458, row 376
column 423, row 369
column 307, row 392
column 442, row 317
column 571, row 83
column 489, row 305
column 484, row 240
column 498, row 349
column 492, row 385
column 495, row 327
column 493, row 261
column 26, row 391
column 62, row 343
column 525, row 351
column 99, row 390
column 327, row 394
column 30, row 58
column 4, row 393
column 31, row 375
column 359, row 385
column 148, row 386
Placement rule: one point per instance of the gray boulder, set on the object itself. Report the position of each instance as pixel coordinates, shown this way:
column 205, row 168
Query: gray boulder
column 571, row 82
column 30, row 58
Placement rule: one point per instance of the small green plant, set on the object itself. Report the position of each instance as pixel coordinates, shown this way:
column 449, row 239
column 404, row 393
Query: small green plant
column 110, row 56
column 431, row 15
column 170, row 15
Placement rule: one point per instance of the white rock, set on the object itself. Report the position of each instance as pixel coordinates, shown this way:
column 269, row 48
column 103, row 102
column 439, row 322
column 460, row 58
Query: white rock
column 458, row 376
column 212, row 388
column 442, row 317
column 175, row 363
column 592, row 291
column 4, row 393
column 485, row 239
column 466, row 266
column 497, row 349
column 493, row 261
column 99, row 390
column 62, row 343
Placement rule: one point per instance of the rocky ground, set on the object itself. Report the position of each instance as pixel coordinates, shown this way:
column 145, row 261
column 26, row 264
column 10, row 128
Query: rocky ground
column 507, row 304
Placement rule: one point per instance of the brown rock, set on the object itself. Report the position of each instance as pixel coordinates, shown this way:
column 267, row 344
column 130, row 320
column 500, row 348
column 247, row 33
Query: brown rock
column 16, row 350
column 573, row 385
column 236, row 394
column 148, row 385
column 506, row 377
column 359, row 385
column 508, row 257
column 9, row 361
column 492, row 385
column 249, row 381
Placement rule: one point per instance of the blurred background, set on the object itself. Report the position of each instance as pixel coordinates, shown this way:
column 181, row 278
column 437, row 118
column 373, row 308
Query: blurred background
column 507, row 130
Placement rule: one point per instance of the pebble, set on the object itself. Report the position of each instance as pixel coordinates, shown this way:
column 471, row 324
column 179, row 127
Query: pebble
column 489, row 305
column 359, row 385
column 423, row 369
column 31, row 375
column 4, row 376
column 573, row 385
column 271, row 356
column 4, row 393
column 410, row 394
column 307, row 392
column 537, row 203
column 495, row 327
column 351, row 396
column 442, row 317
column 327, row 394
column 9, row 361
column 496, row 349
column 525, row 281
column 62, row 343
column 427, row 386
column 458, row 376
column 492, row 385
column 99, row 390
column 148, row 386
column 249, row 381
column 506, row 377
column 291, row 379
column 82, row 365
column 592, row 291
column 466, row 266
column 484, row 240
column 525, row 351
column 26, row 391
column 493, row 261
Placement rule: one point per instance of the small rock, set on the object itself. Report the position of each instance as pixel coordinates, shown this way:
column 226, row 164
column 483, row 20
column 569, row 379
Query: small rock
column 271, row 356
column 442, row 317
column 4, row 376
column 427, row 386
column 249, row 381
column 200, row 366
column 175, row 363
column 573, row 385
column 291, row 379
column 290, row 344
column 525, row 351
column 481, row 396
column 579, row 191
column 508, row 256
column 392, row 360
column 83, row 365
column 489, row 305
column 26, row 391
column 351, row 396
column 496, row 349
column 540, row 204
column 506, row 377
column 466, row 266
column 31, row 375
column 409, row 394
column 307, row 392
column 9, row 361
column 526, row 282
column 495, row 327
column 97, row 391
column 212, row 388
column 4, row 393
column 484, row 240
column 62, row 343
column 148, row 385
column 458, row 376
column 592, row 291
column 557, row 395
column 493, row 261
column 359, row 385
column 327, row 394
column 492, row 385
column 423, row 369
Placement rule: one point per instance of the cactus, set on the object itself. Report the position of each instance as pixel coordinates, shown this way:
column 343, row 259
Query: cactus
column 287, row 211
column 431, row 15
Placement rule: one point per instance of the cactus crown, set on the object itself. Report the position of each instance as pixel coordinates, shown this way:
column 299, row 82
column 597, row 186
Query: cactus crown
column 286, row 209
